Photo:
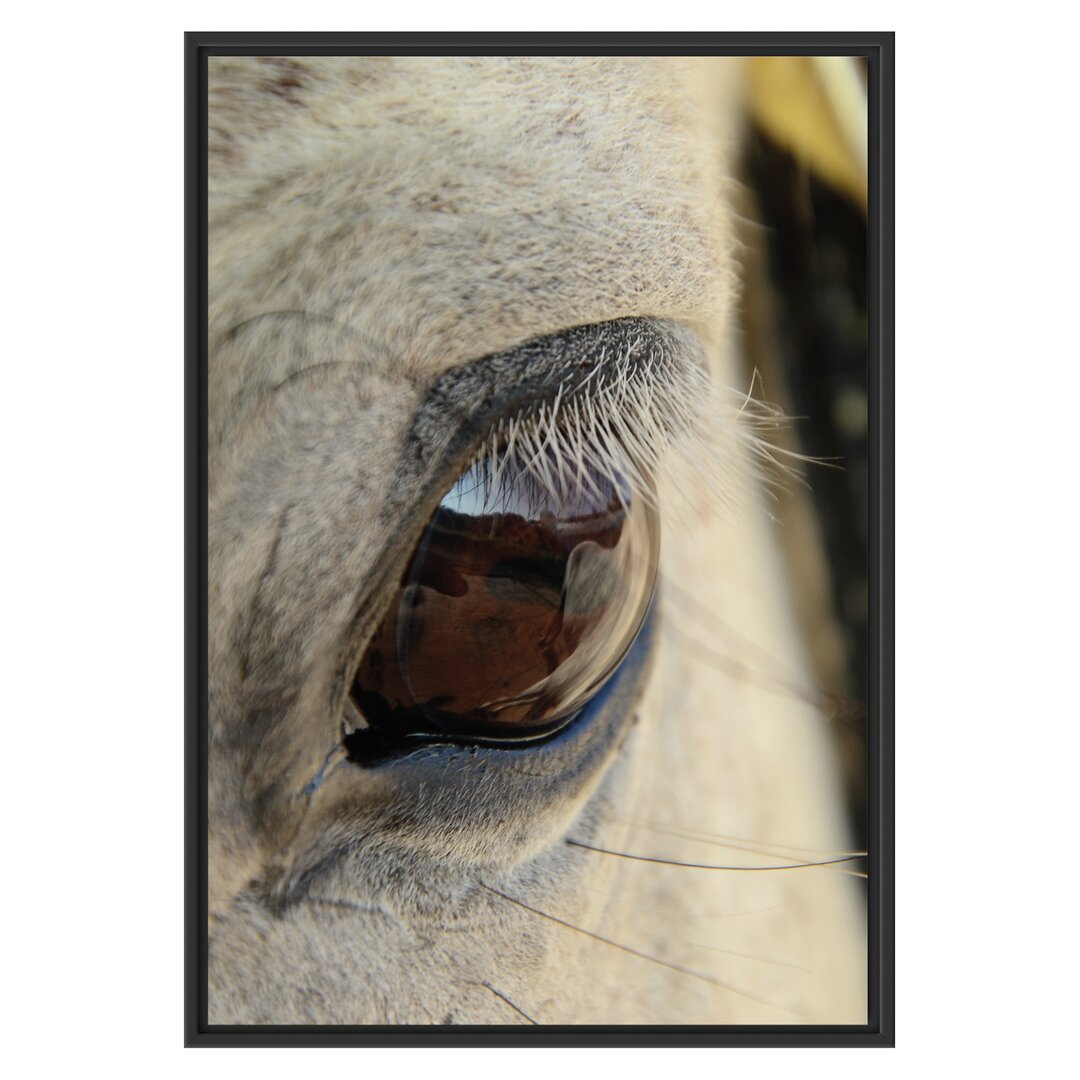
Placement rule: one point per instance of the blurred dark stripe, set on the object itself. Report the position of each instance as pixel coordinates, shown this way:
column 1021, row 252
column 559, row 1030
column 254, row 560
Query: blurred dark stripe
column 815, row 259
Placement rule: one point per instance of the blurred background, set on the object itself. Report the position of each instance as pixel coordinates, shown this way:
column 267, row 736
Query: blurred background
column 805, row 320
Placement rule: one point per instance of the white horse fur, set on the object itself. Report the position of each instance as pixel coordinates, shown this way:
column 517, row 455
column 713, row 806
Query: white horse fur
column 377, row 227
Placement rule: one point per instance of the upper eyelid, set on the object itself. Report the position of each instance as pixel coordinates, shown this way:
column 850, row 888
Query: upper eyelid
column 473, row 396
column 465, row 405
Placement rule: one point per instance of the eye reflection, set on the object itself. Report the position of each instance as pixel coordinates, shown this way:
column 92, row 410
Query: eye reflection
column 517, row 605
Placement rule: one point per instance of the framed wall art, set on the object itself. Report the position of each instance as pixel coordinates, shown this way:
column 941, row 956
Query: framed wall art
column 539, row 539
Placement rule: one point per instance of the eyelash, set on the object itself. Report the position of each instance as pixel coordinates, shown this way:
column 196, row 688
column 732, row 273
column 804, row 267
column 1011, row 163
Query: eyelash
column 641, row 425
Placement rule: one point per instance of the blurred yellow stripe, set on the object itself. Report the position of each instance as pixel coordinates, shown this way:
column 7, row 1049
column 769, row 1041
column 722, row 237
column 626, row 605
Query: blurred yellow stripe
column 815, row 107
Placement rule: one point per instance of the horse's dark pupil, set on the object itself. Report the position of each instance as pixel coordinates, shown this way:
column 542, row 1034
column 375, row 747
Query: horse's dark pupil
column 515, row 608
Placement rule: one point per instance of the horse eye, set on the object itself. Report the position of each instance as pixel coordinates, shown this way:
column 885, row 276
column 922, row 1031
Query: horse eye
column 518, row 604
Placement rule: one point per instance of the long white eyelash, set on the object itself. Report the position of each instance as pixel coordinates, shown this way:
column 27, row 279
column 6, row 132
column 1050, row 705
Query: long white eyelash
column 628, row 429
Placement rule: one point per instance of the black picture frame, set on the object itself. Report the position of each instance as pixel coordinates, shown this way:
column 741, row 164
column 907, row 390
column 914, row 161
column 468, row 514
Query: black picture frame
column 878, row 49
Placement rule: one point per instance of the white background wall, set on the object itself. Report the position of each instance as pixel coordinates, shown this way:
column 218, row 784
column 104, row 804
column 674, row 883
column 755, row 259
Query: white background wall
column 91, row 435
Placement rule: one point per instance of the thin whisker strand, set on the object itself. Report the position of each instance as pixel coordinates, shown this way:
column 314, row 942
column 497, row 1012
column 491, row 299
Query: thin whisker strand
column 502, row 997
column 736, row 843
column 731, row 952
column 708, row 866
column 634, row 952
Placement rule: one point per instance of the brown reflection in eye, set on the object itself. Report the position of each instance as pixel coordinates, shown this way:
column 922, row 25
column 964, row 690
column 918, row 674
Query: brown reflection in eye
column 513, row 611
